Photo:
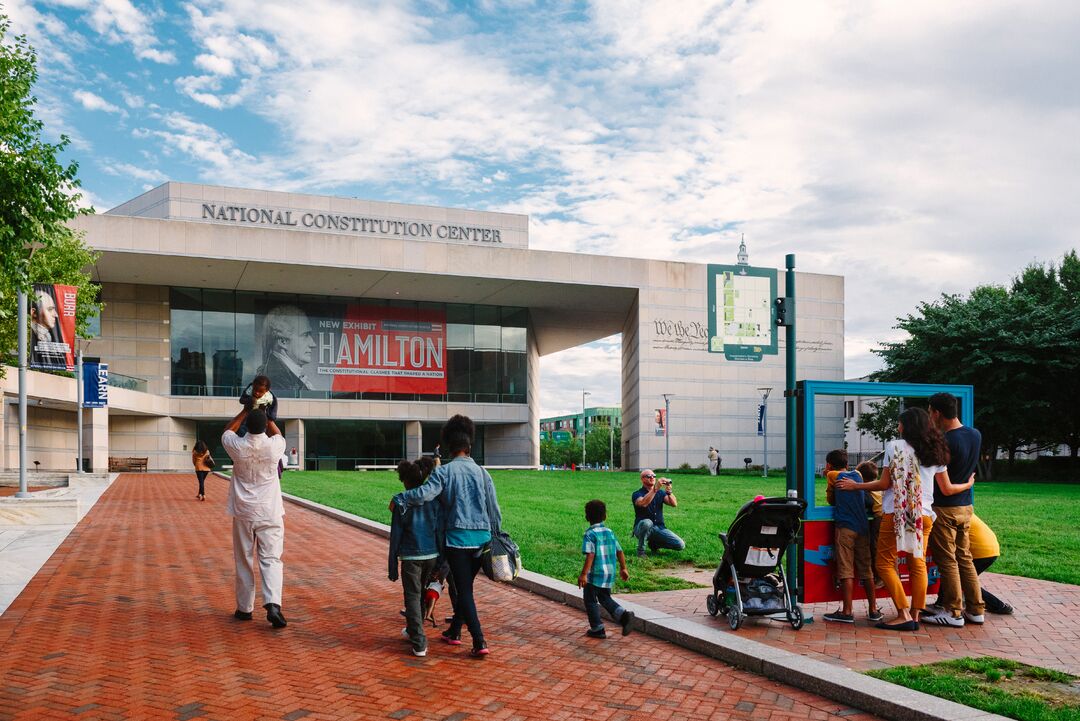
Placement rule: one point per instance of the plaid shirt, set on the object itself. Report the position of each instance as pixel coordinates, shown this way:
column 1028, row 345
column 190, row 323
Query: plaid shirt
column 600, row 540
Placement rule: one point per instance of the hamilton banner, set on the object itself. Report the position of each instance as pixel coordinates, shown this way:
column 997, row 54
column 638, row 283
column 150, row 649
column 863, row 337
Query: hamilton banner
column 353, row 348
column 52, row 327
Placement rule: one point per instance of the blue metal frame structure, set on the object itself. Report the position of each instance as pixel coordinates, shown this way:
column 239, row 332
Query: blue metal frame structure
column 809, row 390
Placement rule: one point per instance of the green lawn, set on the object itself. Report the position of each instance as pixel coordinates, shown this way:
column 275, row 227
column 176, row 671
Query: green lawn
column 995, row 685
column 1038, row 524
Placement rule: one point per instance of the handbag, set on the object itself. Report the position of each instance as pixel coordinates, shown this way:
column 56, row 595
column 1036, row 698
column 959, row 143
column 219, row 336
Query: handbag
column 501, row 560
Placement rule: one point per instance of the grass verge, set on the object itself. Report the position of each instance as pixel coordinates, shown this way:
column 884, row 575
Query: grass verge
column 995, row 685
column 1038, row 524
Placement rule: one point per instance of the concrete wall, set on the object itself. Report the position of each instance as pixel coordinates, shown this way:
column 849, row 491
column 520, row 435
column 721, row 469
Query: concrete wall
column 50, row 438
column 161, row 440
column 135, row 333
column 715, row 400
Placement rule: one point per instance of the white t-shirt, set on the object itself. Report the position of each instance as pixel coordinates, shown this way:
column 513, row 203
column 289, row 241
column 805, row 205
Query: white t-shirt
column 926, row 478
column 255, row 490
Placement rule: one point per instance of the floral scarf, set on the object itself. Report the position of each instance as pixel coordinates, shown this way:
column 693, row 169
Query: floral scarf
column 907, row 500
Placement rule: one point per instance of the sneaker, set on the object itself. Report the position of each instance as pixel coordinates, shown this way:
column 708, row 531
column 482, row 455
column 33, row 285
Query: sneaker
column 1004, row 610
column 479, row 650
column 875, row 616
column 838, row 617
column 625, row 621
column 935, row 609
column 943, row 619
column 599, row 633
column 977, row 619
column 452, row 640
column 419, row 651
column 641, row 553
column 405, row 632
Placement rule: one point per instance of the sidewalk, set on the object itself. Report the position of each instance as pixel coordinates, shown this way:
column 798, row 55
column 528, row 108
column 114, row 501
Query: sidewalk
column 1044, row 630
column 131, row 619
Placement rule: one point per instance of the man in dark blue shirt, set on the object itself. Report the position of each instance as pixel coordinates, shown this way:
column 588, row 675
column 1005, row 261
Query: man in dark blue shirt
column 960, row 598
column 649, row 502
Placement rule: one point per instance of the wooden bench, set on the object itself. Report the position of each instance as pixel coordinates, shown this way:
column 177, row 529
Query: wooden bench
column 118, row 464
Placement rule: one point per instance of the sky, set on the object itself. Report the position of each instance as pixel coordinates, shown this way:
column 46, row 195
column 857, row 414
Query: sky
column 916, row 148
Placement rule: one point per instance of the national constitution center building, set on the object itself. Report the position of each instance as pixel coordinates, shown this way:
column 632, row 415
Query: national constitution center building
column 377, row 321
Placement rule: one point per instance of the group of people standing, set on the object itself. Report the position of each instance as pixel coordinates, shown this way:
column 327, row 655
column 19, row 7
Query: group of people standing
column 926, row 505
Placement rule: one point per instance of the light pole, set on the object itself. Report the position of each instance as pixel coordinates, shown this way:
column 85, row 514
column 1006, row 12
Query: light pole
column 667, row 430
column 765, row 429
column 583, row 394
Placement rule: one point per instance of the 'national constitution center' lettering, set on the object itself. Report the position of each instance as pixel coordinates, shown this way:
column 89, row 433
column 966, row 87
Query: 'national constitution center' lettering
column 349, row 223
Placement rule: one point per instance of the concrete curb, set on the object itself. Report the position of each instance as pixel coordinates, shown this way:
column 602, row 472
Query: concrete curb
column 825, row 679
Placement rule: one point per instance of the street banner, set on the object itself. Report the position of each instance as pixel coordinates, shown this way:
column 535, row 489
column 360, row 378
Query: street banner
column 95, row 384
column 761, row 419
column 661, row 422
column 52, row 327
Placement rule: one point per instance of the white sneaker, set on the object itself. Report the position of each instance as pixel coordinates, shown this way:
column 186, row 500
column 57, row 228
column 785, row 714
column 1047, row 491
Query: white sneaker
column 978, row 620
column 422, row 652
column 934, row 609
column 943, row 619
column 405, row 632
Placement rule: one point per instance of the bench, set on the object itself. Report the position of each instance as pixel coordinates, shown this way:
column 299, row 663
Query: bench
column 374, row 468
column 118, row 464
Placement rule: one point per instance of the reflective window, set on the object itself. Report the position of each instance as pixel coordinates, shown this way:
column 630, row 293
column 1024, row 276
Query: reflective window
column 324, row 347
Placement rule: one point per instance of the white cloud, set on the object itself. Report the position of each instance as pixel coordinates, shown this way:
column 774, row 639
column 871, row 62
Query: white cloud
column 595, row 367
column 127, row 170
column 90, row 101
column 119, row 21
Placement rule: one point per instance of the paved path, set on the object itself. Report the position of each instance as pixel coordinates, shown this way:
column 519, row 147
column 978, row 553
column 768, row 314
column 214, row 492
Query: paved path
column 1044, row 631
column 131, row 619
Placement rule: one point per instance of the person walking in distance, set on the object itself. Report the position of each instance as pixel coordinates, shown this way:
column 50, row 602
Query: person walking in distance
column 255, row 504
column 204, row 463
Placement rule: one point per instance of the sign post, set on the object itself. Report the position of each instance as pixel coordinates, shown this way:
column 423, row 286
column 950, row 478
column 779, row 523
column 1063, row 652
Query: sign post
column 786, row 316
column 78, row 410
column 23, row 323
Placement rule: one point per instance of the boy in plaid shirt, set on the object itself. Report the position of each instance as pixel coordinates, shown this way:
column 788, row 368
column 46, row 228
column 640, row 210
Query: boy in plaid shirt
column 601, row 550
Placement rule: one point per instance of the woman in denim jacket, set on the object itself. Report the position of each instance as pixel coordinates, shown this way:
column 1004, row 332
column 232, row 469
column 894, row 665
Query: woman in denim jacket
column 469, row 511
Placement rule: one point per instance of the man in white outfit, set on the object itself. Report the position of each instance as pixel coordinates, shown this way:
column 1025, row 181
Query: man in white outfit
column 257, row 510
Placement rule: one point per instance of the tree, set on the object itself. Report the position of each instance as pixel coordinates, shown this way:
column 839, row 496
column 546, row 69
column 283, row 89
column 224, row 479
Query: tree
column 38, row 194
column 600, row 446
column 880, row 420
column 1019, row 347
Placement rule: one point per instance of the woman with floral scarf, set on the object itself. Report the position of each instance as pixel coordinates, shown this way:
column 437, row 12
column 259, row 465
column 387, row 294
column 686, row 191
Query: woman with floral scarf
column 913, row 464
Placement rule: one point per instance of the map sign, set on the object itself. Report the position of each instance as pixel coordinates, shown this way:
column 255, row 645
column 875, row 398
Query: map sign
column 742, row 311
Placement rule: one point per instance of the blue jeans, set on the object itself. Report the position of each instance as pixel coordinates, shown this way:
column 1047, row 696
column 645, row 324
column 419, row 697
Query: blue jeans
column 657, row 536
column 595, row 597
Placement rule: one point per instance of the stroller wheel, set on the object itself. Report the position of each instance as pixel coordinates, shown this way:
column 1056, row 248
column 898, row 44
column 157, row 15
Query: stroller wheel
column 735, row 619
column 711, row 605
column 795, row 617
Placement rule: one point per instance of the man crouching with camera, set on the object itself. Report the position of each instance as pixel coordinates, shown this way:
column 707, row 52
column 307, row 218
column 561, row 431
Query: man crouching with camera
column 649, row 502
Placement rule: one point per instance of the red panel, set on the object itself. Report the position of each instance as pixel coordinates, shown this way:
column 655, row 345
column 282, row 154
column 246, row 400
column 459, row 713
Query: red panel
column 390, row 350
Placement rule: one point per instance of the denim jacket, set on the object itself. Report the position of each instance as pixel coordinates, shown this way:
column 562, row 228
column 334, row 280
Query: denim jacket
column 413, row 532
column 464, row 490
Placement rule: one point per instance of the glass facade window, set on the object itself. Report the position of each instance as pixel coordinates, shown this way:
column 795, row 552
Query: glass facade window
column 344, row 445
column 330, row 347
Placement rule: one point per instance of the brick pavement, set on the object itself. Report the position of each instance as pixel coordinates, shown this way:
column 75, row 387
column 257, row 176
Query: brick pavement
column 131, row 619
column 1044, row 631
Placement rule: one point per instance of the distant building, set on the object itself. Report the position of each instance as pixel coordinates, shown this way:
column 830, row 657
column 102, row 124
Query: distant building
column 565, row 427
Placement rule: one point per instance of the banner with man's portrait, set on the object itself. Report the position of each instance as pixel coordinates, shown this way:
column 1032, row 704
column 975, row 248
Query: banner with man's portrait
column 52, row 327
column 352, row 348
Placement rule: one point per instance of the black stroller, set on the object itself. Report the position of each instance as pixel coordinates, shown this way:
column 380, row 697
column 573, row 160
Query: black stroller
column 750, row 580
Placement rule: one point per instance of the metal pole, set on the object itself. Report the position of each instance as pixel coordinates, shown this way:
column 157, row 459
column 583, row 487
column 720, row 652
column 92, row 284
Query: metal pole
column 23, row 323
column 791, row 410
column 765, row 434
column 78, row 410
column 667, row 432
column 583, row 394
column 611, row 447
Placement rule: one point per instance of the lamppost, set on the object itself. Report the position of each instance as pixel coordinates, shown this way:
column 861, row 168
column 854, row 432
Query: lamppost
column 583, row 394
column 765, row 429
column 667, row 430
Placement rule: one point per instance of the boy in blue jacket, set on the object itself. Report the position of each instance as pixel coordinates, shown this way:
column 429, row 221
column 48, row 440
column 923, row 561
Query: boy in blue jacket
column 413, row 543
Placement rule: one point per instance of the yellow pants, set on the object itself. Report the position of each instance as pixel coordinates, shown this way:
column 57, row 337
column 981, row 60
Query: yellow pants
column 886, row 565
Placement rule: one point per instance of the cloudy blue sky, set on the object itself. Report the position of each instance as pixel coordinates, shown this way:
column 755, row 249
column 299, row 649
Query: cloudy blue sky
column 915, row 147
